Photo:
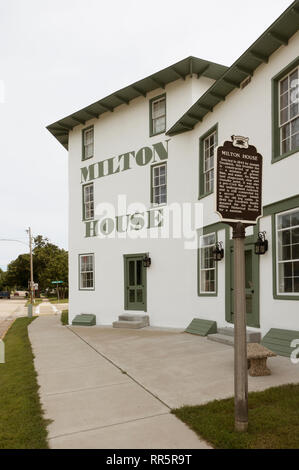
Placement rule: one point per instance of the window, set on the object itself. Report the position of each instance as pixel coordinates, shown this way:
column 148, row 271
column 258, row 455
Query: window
column 207, row 145
column 159, row 184
column 88, row 201
column 289, row 112
column 86, row 271
column 158, row 115
column 87, row 143
column 207, row 264
column 287, row 239
column 285, row 112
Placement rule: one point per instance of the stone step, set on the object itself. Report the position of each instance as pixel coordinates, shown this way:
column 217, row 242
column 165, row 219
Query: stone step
column 132, row 317
column 135, row 324
column 252, row 336
column 225, row 339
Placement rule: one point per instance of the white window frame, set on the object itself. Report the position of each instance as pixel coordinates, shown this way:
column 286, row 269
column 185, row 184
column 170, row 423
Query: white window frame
column 289, row 120
column 203, row 270
column 211, row 169
column 84, row 145
column 161, row 98
column 278, row 292
column 84, row 272
column 160, row 203
column 88, row 206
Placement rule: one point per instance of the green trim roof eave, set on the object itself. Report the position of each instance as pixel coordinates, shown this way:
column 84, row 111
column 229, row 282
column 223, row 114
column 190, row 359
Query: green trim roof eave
column 276, row 35
column 189, row 66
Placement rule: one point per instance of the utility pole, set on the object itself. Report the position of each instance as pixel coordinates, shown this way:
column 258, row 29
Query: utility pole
column 30, row 307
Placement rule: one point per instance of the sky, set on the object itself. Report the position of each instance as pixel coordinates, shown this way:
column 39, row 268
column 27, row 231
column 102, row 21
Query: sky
column 58, row 56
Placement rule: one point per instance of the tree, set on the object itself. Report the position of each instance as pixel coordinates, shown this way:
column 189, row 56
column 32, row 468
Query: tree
column 3, row 282
column 18, row 272
column 50, row 263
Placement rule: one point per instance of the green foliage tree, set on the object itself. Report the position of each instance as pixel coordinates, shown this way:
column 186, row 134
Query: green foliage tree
column 3, row 283
column 50, row 263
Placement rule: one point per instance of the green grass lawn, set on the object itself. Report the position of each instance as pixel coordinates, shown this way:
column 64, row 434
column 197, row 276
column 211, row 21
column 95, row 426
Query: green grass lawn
column 273, row 420
column 22, row 425
column 64, row 317
column 54, row 300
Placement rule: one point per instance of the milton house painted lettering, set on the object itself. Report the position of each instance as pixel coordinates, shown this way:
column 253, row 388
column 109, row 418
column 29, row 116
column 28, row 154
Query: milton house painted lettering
column 123, row 162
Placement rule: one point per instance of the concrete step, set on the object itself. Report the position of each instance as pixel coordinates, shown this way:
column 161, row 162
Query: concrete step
column 135, row 324
column 252, row 336
column 225, row 339
column 132, row 317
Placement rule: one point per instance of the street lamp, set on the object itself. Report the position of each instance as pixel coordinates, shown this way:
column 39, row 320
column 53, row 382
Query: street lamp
column 261, row 245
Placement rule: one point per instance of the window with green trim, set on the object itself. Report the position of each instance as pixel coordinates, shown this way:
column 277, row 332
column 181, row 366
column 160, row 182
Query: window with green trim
column 86, row 270
column 207, row 145
column 88, row 201
column 287, row 252
column 286, row 112
column 159, row 184
column 158, row 115
column 207, row 270
column 87, row 143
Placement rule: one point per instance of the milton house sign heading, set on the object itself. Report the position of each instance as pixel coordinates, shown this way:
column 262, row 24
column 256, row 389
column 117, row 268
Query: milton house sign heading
column 123, row 162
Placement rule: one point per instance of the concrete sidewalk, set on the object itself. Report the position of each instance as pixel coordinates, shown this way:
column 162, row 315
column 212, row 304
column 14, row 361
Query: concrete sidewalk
column 180, row 368
column 93, row 403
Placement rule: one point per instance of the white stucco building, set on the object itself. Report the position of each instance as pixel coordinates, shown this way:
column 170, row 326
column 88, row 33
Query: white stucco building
column 150, row 147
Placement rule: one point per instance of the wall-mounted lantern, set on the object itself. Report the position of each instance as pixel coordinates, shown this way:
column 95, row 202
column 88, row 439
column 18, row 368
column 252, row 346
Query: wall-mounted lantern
column 261, row 245
column 218, row 251
column 147, row 261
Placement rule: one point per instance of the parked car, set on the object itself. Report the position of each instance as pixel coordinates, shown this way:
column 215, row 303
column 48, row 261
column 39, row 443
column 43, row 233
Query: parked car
column 4, row 294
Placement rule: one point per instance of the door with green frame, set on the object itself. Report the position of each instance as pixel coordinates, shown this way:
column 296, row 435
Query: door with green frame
column 135, row 282
column 251, row 284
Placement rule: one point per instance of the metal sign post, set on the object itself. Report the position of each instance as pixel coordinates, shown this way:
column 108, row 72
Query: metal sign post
column 57, row 282
column 239, row 203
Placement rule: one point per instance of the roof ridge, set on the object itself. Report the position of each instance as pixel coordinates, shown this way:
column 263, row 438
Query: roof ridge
column 216, row 93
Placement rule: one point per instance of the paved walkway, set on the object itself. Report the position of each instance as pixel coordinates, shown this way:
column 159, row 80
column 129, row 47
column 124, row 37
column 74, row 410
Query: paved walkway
column 95, row 404
column 179, row 368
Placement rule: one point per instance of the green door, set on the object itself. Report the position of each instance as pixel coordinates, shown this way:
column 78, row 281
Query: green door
column 135, row 282
column 251, row 285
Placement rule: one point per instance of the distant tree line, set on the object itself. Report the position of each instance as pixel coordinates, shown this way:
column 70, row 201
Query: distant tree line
column 50, row 263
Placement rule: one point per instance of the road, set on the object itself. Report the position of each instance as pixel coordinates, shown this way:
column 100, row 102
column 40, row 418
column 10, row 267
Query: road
column 12, row 308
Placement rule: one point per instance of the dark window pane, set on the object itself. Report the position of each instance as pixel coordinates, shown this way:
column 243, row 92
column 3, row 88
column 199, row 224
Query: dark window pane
column 294, row 141
column 296, row 284
column 139, row 295
column 139, row 272
column 131, row 295
column 284, row 84
column 288, row 284
column 286, row 221
column 131, row 273
column 288, row 270
column 286, row 237
column 295, row 251
column 286, row 252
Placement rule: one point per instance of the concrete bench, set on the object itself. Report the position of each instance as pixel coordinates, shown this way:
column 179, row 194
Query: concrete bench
column 257, row 356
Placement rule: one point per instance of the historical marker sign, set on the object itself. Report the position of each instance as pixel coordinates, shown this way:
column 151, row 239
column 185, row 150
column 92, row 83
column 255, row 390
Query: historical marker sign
column 238, row 181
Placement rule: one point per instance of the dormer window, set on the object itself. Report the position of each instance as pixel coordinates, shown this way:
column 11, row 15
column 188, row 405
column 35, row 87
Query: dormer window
column 158, row 115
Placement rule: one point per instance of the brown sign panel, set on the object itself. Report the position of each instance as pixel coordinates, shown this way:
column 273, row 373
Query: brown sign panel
column 238, row 181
